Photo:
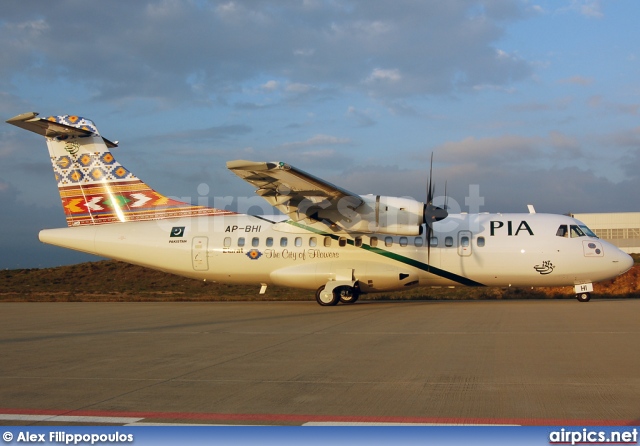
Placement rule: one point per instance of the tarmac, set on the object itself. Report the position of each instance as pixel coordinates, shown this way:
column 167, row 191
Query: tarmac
column 530, row 362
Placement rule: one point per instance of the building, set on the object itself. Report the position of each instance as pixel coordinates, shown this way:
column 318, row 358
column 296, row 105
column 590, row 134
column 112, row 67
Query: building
column 621, row 229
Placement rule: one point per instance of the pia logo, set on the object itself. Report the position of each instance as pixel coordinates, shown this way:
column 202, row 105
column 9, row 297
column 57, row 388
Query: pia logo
column 72, row 147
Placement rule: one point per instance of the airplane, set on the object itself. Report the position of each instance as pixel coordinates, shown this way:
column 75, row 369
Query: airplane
column 330, row 240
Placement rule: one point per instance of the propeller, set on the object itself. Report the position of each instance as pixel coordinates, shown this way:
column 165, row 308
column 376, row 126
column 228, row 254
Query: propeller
column 433, row 213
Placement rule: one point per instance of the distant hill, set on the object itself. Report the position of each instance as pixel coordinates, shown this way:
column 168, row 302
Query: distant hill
column 117, row 281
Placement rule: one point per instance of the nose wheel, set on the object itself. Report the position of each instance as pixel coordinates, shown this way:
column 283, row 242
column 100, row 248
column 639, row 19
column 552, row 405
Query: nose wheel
column 583, row 297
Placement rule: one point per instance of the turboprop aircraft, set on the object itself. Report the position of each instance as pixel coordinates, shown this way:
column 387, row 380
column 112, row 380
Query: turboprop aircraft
column 334, row 241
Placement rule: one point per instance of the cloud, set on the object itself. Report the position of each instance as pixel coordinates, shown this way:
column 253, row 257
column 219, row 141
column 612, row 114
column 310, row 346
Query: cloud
column 489, row 150
column 562, row 141
column 589, row 8
column 316, row 140
column 561, row 103
column 142, row 50
column 298, row 88
column 552, row 190
column 214, row 133
column 577, row 80
column 21, row 223
column 598, row 102
column 628, row 138
column 380, row 75
column 362, row 117
column 271, row 85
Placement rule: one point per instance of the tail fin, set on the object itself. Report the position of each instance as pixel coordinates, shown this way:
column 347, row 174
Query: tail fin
column 94, row 187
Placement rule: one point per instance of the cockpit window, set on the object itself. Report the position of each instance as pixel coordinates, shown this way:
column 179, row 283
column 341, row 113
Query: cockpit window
column 576, row 231
column 562, row 231
column 588, row 232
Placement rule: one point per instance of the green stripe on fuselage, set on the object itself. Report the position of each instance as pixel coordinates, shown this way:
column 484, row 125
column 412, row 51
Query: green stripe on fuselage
column 397, row 257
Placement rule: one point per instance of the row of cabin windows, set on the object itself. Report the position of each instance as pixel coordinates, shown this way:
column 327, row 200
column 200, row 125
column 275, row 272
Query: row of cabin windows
column 342, row 241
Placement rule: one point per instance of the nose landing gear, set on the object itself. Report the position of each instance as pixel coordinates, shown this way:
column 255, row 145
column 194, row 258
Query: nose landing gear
column 583, row 291
column 583, row 297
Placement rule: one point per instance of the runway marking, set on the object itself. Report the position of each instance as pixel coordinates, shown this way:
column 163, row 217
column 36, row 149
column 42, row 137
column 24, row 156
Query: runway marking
column 148, row 418
column 326, row 423
column 68, row 419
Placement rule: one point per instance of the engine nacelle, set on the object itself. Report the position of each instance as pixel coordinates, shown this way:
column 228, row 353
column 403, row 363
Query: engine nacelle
column 382, row 215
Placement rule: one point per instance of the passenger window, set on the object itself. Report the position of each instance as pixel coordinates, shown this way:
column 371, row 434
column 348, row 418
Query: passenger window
column 342, row 241
column 418, row 241
column 448, row 241
column 327, row 242
column 388, row 241
column 358, row 241
column 255, row 242
column 227, row 242
column 313, row 242
column 269, row 241
column 404, row 241
column 373, row 242
column 562, row 231
column 434, row 241
column 298, row 241
column 283, row 241
column 240, row 241
column 464, row 241
column 480, row 242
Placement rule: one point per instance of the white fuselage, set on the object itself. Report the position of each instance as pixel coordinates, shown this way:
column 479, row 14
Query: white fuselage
column 466, row 249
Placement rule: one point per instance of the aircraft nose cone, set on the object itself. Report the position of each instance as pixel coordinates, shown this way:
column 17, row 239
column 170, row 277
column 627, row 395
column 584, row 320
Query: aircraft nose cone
column 622, row 261
column 626, row 262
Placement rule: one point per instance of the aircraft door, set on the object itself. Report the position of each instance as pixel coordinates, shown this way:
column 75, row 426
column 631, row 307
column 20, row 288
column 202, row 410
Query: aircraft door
column 464, row 243
column 199, row 259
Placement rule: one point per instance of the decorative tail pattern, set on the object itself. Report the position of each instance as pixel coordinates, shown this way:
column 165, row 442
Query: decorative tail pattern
column 94, row 187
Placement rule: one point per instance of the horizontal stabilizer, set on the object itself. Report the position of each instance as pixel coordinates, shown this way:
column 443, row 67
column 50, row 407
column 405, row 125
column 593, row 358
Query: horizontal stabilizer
column 53, row 129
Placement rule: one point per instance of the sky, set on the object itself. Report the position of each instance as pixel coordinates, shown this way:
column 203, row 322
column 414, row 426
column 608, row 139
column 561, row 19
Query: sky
column 528, row 102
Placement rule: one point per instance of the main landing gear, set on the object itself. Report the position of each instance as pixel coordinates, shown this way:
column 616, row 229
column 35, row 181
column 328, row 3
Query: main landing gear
column 583, row 297
column 335, row 291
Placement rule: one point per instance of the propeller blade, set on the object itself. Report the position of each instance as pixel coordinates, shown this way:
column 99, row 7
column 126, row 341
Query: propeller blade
column 428, row 247
column 446, row 198
column 429, row 185
column 433, row 213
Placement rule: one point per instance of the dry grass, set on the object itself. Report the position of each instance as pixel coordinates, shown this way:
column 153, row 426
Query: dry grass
column 112, row 281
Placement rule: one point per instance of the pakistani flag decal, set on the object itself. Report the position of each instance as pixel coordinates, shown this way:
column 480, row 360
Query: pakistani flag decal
column 177, row 231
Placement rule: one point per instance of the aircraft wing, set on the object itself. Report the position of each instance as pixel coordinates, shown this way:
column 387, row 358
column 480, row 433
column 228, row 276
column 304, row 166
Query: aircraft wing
column 292, row 191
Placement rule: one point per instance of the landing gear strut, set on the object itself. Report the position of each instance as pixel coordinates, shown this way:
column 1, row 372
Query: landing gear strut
column 583, row 297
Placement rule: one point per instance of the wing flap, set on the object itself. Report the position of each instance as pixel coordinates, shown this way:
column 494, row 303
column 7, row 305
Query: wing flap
column 293, row 191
